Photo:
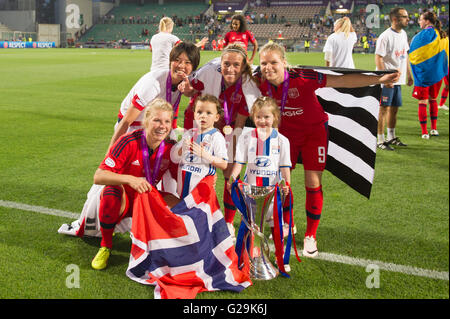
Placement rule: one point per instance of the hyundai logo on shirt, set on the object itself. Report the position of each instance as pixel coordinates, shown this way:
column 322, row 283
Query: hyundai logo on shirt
column 262, row 162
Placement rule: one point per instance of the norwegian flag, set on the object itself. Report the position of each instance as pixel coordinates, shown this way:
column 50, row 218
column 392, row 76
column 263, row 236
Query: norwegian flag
column 185, row 250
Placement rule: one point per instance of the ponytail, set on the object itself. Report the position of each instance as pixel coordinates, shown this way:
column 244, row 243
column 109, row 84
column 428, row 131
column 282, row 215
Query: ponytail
column 431, row 16
column 166, row 25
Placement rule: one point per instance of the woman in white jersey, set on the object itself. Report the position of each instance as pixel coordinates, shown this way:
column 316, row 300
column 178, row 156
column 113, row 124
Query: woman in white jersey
column 184, row 59
column 339, row 46
column 162, row 43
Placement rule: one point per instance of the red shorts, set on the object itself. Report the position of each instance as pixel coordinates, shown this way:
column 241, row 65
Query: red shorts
column 429, row 92
column 309, row 145
column 446, row 79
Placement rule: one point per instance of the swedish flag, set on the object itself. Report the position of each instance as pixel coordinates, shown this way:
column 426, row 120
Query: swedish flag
column 428, row 56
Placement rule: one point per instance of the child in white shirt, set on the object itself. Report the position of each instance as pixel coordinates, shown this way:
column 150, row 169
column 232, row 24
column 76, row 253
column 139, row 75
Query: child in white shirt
column 202, row 149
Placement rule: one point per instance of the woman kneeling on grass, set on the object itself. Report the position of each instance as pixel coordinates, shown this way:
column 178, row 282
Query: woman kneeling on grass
column 133, row 156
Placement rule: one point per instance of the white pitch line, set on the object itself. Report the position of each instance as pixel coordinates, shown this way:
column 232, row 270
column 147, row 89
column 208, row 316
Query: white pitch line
column 442, row 275
column 408, row 270
column 39, row 209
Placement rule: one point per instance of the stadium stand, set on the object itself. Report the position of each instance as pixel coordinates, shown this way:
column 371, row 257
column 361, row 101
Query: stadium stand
column 129, row 21
column 289, row 21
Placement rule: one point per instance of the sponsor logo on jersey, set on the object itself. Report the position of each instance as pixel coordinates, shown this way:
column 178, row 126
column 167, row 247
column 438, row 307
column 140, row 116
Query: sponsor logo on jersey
column 291, row 111
column 136, row 162
column 192, row 169
column 262, row 172
column 190, row 158
column 262, row 162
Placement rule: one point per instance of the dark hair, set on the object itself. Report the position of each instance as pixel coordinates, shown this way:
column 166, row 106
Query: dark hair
column 192, row 52
column 431, row 16
column 395, row 12
column 242, row 24
column 209, row 98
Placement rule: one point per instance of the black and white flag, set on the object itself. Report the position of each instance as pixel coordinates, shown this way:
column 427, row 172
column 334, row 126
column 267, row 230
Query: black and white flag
column 353, row 120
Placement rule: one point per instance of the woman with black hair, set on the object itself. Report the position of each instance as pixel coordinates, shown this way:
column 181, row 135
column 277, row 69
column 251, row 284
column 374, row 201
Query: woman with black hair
column 241, row 35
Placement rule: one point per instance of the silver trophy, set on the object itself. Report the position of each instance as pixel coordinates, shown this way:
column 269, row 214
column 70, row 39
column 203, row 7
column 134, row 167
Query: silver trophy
column 258, row 200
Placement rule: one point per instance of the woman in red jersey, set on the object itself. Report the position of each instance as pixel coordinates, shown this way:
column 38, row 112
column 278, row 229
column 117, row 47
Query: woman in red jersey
column 304, row 122
column 134, row 164
column 241, row 35
column 227, row 78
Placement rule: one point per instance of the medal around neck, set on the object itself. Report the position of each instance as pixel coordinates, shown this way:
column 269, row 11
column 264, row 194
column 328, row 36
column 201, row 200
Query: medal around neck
column 227, row 130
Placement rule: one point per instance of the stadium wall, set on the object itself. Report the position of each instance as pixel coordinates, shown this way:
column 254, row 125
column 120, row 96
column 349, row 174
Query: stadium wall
column 19, row 20
column 74, row 15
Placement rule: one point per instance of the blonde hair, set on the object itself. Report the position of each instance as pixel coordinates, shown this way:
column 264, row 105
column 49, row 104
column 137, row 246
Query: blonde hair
column 272, row 46
column 157, row 104
column 344, row 25
column 165, row 24
column 265, row 101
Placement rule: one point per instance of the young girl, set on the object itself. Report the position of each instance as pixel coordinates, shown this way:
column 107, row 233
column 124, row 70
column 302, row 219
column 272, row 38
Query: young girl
column 263, row 144
column 265, row 152
column 202, row 148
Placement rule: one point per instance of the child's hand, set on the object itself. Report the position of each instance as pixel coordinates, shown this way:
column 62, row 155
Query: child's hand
column 201, row 152
column 285, row 190
column 229, row 187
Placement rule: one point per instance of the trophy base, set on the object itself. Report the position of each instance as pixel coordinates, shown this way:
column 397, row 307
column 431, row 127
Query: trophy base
column 261, row 269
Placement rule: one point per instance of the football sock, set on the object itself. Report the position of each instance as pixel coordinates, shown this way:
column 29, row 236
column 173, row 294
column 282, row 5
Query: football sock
column 314, row 203
column 444, row 95
column 230, row 209
column 390, row 133
column 423, row 117
column 109, row 212
column 433, row 114
column 380, row 138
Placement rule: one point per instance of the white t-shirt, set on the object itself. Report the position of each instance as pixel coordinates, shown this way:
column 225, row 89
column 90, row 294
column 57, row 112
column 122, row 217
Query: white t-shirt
column 162, row 43
column 149, row 87
column 341, row 49
column 263, row 158
column 393, row 47
column 192, row 169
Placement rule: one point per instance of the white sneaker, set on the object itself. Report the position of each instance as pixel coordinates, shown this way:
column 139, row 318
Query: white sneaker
column 425, row 136
column 310, row 247
column 443, row 107
column 232, row 232
column 434, row 133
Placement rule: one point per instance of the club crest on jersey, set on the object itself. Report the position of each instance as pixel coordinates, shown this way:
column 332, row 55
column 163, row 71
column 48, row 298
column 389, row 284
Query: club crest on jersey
column 110, row 162
column 236, row 98
column 262, row 162
column 293, row 93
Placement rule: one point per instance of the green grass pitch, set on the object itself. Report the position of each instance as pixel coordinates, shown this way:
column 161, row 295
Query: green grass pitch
column 58, row 108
